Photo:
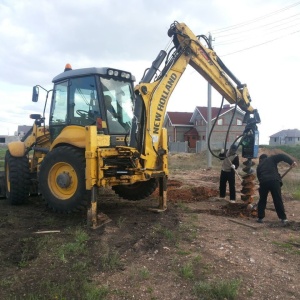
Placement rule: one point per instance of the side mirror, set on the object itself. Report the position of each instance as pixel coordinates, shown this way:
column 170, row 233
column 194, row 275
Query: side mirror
column 35, row 94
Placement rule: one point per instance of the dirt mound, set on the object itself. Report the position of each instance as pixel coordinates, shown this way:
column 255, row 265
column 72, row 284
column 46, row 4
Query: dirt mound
column 178, row 192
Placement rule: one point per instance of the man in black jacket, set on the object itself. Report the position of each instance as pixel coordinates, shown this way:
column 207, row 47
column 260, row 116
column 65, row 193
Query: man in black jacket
column 270, row 181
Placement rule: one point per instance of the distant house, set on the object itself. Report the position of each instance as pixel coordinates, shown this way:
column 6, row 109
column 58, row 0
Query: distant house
column 192, row 127
column 178, row 124
column 23, row 129
column 285, row 137
column 5, row 139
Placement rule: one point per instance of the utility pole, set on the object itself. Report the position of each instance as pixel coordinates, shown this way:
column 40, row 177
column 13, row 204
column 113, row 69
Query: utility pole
column 208, row 154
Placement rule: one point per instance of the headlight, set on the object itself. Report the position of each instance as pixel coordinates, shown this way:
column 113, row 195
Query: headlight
column 125, row 75
column 119, row 73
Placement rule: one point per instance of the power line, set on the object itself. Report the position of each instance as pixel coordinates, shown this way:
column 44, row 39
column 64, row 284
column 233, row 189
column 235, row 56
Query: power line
column 256, row 36
column 270, row 29
column 261, row 44
column 232, row 27
column 287, row 19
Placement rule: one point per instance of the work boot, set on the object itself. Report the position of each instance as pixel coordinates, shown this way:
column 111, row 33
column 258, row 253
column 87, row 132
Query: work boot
column 259, row 220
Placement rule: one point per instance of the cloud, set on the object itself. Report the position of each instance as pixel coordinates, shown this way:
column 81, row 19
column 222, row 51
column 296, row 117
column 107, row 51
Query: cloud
column 38, row 37
column 38, row 34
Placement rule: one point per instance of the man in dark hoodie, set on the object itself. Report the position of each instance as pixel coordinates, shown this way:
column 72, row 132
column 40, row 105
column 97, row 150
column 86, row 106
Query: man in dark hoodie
column 270, row 181
column 230, row 164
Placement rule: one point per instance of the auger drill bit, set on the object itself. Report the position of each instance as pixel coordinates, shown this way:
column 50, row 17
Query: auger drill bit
column 248, row 181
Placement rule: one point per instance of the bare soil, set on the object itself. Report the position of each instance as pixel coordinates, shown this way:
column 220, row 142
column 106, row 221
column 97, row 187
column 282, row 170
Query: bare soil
column 220, row 241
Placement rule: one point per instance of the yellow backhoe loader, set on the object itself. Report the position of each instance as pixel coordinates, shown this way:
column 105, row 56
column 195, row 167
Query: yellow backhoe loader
column 105, row 132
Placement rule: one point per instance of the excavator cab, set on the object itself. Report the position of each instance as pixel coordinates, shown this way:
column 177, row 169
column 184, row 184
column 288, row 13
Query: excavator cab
column 78, row 99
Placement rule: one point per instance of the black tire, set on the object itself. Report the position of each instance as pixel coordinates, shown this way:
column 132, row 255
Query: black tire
column 17, row 179
column 136, row 191
column 62, row 180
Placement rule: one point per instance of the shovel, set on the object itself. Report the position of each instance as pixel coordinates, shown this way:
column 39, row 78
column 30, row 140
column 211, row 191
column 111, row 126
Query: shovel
column 236, row 172
column 289, row 169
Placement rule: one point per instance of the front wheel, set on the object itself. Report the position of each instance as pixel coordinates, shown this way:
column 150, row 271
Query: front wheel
column 136, row 191
column 62, row 179
column 17, row 179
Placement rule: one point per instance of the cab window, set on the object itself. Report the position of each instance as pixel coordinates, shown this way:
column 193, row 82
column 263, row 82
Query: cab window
column 118, row 103
column 84, row 107
column 59, row 109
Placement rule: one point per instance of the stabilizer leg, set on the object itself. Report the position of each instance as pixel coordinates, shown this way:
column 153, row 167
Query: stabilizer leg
column 162, row 200
column 95, row 219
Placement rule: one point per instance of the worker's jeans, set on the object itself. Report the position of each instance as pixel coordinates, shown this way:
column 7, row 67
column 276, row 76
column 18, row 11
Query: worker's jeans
column 273, row 186
column 230, row 177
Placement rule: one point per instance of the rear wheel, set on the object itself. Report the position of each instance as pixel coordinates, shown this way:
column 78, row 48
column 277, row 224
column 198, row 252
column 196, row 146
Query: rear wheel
column 62, row 179
column 136, row 191
column 17, row 179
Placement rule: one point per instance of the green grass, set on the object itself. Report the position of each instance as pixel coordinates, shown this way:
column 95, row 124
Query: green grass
column 292, row 150
column 73, row 280
column 291, row 184
column 82, row 289
column 76, row 247
column 2, row 155
column 144, row 273
column 291, row 246
column 140, row 274
column 189, row 228
column 190, row 161
column 8, row 282
column 183, row 252
column 121, row 221
column 218, row 290
column 187, row 271
column 170, row 235
column 110, row 261
column 193, row 269
column 296, row 193
column 2, row 152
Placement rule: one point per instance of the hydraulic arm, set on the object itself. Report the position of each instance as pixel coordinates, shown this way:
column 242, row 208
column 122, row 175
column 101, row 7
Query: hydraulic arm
column 155, row 89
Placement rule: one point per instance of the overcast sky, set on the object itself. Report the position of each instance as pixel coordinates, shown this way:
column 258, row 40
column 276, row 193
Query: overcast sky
column 259, row 41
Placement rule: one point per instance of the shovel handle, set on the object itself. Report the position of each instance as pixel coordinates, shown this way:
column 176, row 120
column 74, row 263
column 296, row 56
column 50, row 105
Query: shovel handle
column 237, row 174
column 289, row 169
